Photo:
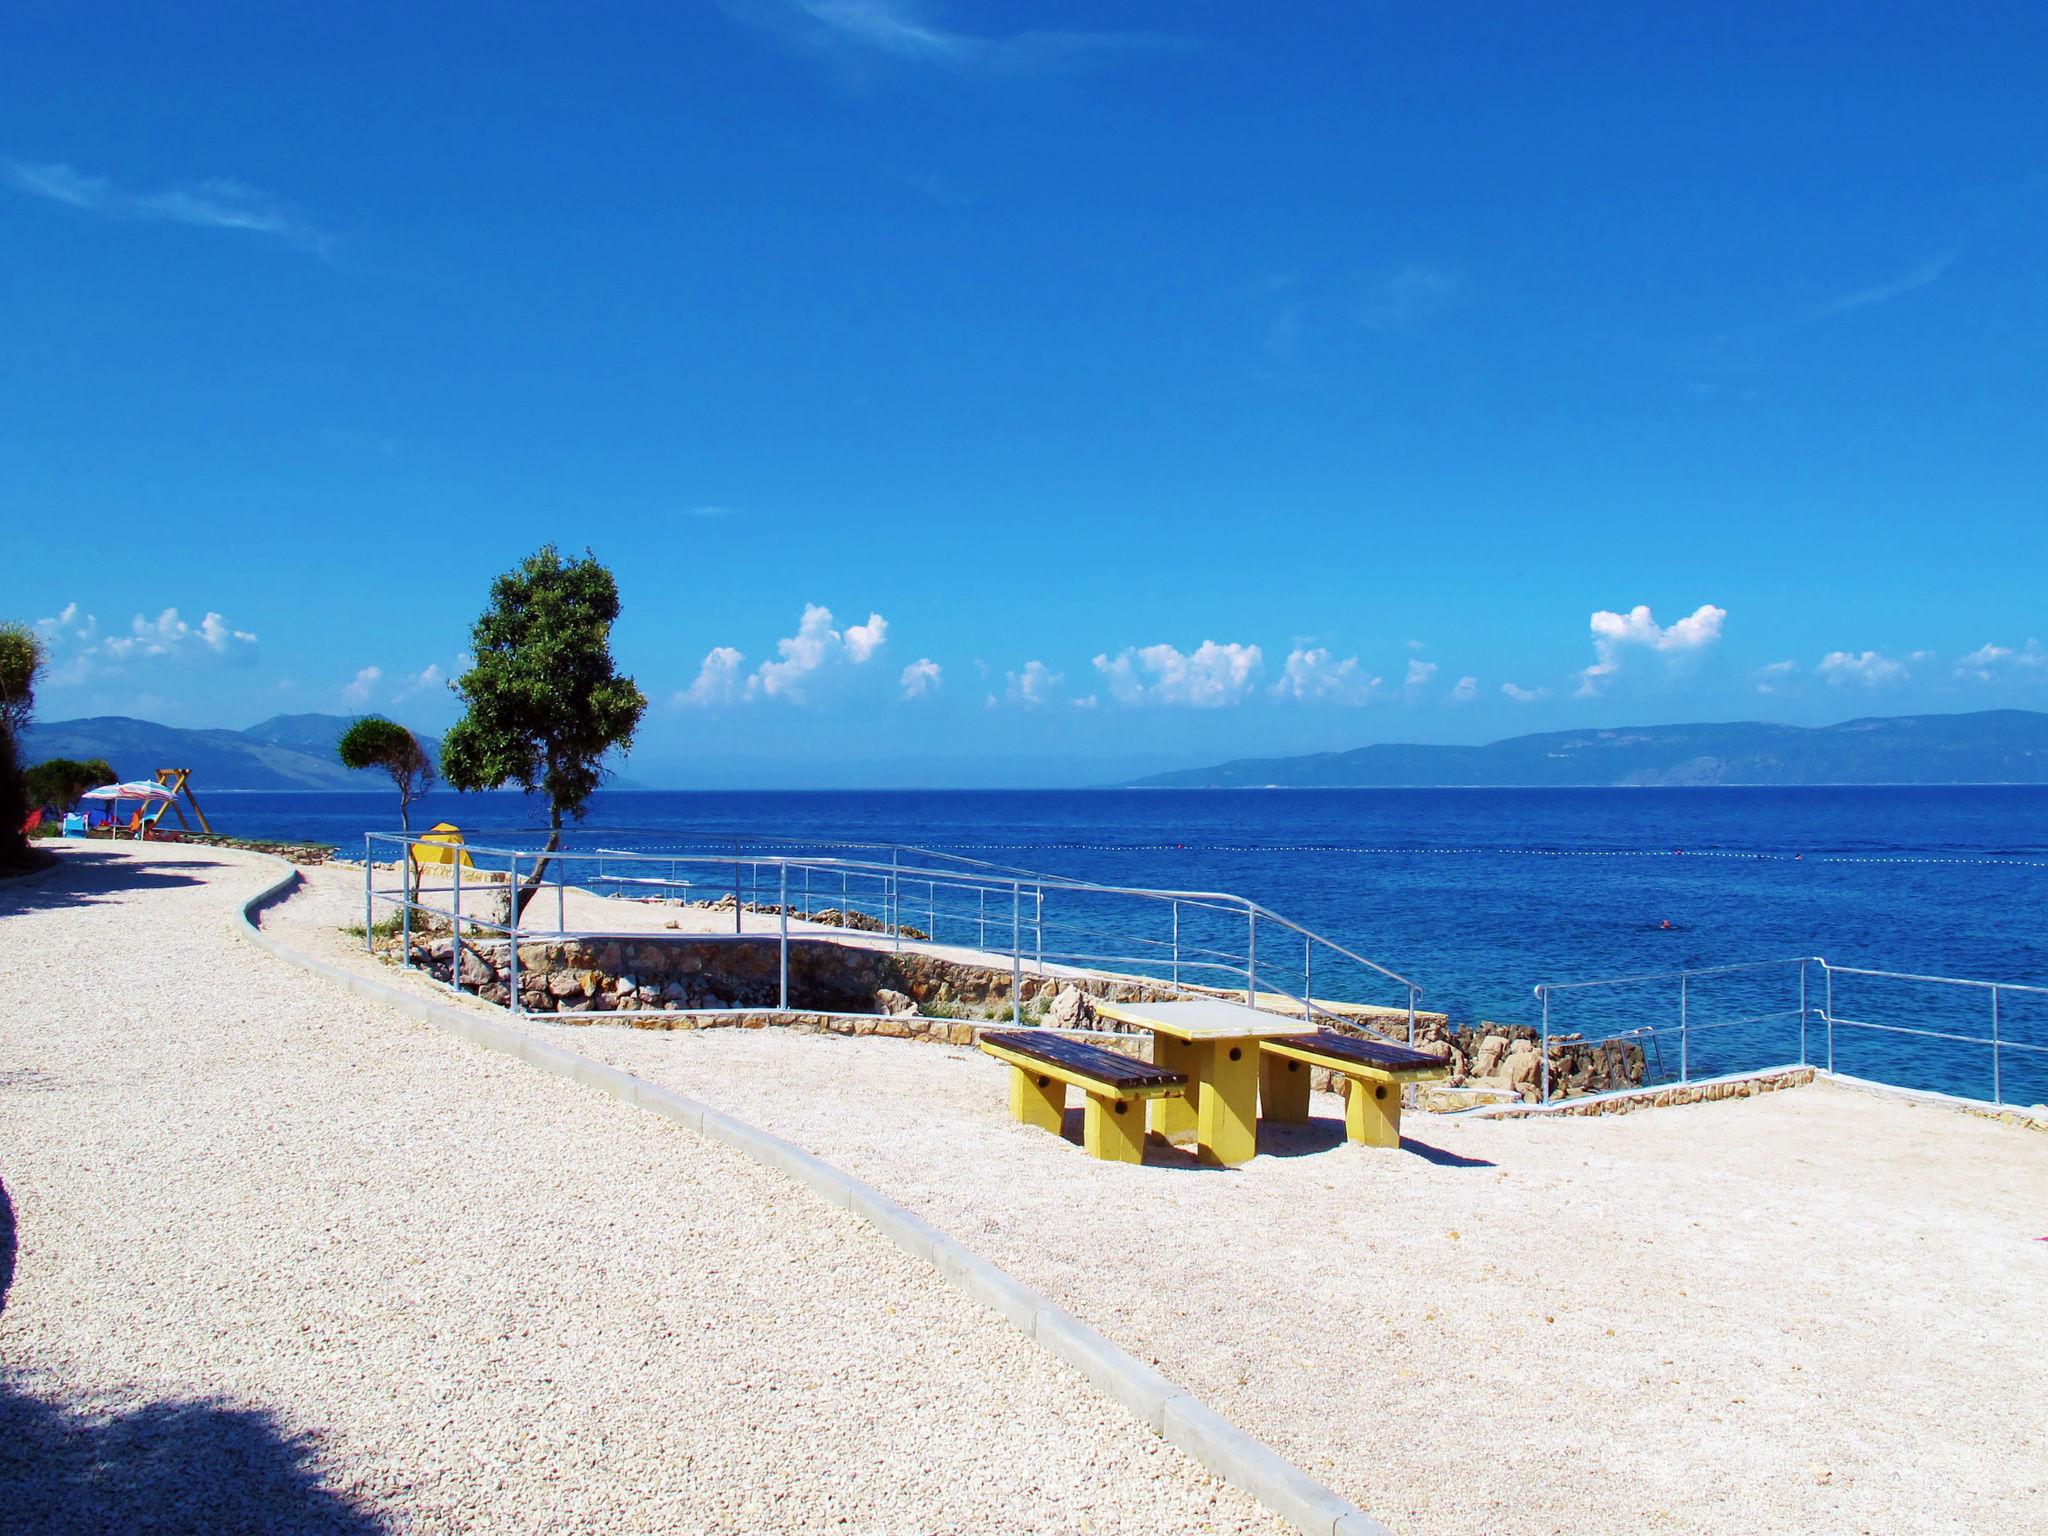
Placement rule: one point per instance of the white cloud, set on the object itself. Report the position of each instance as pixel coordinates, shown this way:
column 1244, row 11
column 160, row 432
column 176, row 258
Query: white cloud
column 1464, row 691
column 217, row 203
column 905, row 32
column 1928, row 272
column 1032, row 687
column 1314, row 676
column 1209, row 677
column 429, row 676
column 920, row 678
column 863, row 640
column 1870, row 669
column 77, row 648
column 805, row 656
column 1989, row 662
column 1523, row 695
column 718, row 679
column 1419, row 674
column 366, row 679
column 1777, row 677
column 1614, row 633
column 1408, row 293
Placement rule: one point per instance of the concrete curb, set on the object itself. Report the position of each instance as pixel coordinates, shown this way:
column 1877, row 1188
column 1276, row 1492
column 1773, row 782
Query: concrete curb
column 1176, row 1416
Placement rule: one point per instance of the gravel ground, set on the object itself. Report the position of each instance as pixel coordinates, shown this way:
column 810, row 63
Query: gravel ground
column 283, row 1260
column 1816, row 1311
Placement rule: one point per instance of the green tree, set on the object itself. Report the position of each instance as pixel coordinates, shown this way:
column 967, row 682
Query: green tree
column 21, row 663
column 58, row 781
column 374, row 742
column 545, row 702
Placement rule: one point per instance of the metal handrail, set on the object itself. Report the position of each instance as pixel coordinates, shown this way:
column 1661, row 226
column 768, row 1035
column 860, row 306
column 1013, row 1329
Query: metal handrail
column 977, row 876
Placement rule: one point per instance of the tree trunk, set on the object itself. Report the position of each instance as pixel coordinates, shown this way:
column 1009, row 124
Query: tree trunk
column 530, row 886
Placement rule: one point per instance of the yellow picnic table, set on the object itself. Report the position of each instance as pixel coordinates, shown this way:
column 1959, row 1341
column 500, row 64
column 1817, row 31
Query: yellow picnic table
column 441, row 844
column 1216, row 1043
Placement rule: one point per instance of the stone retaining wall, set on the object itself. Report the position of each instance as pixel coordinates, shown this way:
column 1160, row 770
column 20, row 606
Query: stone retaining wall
column 1663, row 1098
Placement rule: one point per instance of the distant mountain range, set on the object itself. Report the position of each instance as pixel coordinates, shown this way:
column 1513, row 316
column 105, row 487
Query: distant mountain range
column 1996, row 746
column 283, row 752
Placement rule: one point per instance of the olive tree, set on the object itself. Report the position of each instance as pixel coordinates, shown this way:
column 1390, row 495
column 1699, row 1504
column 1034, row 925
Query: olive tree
column 58, row 781
column 545, row 703
column 374, row 742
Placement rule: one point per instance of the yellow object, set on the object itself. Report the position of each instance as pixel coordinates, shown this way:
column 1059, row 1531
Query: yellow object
column 1283, row 1089
column 1216, row 1043
column 441, row 844
column 1372, row 1112
column 1372, row 1095
column 1113, row 1122
column 179, row 782
column 1037, row 1099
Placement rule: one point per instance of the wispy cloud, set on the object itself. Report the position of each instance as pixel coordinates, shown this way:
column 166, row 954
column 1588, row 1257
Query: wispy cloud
column 1033, row 687
column 1922, row 276
column 1867, row 669
column 1990, row 662
column 77, row 647
column 1523, row 695
column 905, row 32
column 216, row 203
column 920, row 678
column 1311, row 675
column 1464, row 691
column 1408, row 293
column 1778, row 677
column 358, row 690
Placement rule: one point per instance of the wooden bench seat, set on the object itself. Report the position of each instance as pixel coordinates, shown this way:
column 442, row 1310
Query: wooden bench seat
column 1374, row 1069
column 1043, row 1065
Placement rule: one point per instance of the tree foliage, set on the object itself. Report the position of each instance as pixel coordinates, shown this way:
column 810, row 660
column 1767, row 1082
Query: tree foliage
column 545, row 701
column 58, row 781
column 21, row 662
column 374, row 742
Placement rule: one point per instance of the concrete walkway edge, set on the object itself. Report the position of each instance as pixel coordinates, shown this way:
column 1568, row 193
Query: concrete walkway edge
column 1173, row 1414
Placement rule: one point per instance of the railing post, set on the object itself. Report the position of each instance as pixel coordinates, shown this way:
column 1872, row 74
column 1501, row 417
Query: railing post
column 1684, row 1033
column 895, row 904
column 1997, row 1087
column 784, row 957
column 1038, row 927
column 982, row 892
column 561, row 897
column 842, row 899
column 1176, row 944
column 739, row 901
column 512, row 936
column 455, row 938
column 1545, row 1065
column 369, row 939
column 1251, row 959
column 407, row 892
column 931, row 909
column 1828, row 972
column 1308, row 991
column 1802, row 1013
column 1017, row 954
column 1411, row 1013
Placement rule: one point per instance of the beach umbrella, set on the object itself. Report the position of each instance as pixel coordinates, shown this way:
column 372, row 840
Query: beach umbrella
column 137, row 790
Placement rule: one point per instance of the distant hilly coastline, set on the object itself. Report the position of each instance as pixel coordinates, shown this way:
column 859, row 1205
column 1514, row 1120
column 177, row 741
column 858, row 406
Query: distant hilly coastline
column 283, row 752
column 1998, row 746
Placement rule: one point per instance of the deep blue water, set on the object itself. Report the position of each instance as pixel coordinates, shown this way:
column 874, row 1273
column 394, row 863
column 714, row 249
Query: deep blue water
column 1479, row 894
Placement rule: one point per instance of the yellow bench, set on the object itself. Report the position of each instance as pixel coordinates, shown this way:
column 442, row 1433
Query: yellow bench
column 1043, row 1066
column 1376, row 1070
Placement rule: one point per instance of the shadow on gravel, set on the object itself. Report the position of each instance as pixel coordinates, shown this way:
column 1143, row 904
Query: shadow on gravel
column 175, row 1468
column 178, row 1468
column 87, row 876
column 1441, row 1158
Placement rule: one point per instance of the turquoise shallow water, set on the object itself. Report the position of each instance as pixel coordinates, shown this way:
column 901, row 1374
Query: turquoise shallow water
column 1480, row 894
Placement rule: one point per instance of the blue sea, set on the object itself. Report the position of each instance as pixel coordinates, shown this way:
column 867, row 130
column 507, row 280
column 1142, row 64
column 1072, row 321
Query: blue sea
column 1478, row 895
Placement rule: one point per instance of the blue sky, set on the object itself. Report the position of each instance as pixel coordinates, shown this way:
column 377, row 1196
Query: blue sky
column 1035, row 393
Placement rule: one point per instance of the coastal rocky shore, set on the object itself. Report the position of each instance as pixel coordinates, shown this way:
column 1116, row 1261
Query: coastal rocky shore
column 687, row 981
